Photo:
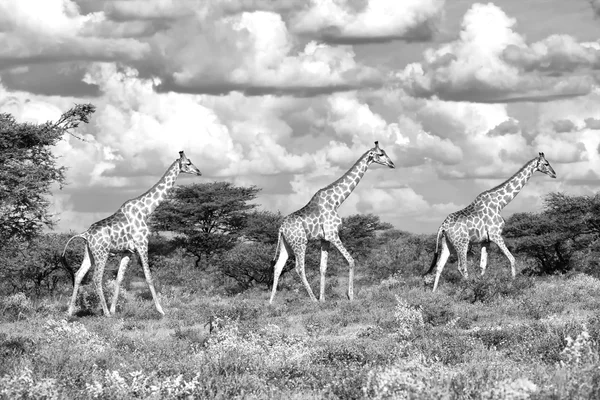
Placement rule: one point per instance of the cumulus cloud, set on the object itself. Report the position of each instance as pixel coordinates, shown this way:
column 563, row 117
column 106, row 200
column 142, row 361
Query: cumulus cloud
column 54, row 30
column 592, row 123
column 579, row 147
column 490, row 62
column 564, row 125
column 508, row 127
column 192, row 46
column 254, row 53
column 595, row 6
column 364, row 21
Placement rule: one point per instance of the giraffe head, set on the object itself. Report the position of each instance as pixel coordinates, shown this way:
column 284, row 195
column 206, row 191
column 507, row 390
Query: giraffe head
column 185, row 165
column 544, row 166
column 377, row 155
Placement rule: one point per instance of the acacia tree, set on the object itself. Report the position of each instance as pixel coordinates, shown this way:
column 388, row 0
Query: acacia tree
column 29, row 169
column 36, row 266
column 263, row 226
column 359, row 233
column 554, row 237
column 206, row 218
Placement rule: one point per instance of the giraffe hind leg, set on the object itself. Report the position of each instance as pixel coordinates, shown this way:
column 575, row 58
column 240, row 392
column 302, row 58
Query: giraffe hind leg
column 278, row 267
column 441, row 262
column 300, row 253
column 79, row 275
column 100, row 263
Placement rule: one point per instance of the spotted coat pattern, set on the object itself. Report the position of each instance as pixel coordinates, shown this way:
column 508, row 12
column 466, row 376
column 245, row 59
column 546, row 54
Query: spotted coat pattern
column 481, row 222
column 125, row 232
column 319, row 220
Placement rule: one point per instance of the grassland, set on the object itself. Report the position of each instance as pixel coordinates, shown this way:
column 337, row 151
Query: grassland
column 485, row 338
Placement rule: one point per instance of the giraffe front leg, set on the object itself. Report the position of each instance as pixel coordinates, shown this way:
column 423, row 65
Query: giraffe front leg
column 500, row 242
column 324, row 256
column 120, row 275
column 79, row 275
column 278, row 268
column 143, row 253
column 338, row 244
column 483, row 261
column 98, row 274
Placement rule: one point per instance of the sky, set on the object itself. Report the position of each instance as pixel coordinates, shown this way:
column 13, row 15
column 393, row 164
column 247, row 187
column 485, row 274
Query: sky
column 288, row 94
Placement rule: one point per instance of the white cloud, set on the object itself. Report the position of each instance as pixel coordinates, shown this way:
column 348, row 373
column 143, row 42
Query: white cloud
column 350, row 21
column 489, row 62
column 254, row 52
column 53, row 30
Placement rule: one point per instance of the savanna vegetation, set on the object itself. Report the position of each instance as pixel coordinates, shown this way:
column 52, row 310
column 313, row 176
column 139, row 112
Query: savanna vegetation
column 490, row 337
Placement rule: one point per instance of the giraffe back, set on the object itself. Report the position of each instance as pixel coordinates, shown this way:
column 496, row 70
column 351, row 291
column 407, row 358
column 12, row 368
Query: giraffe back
column 112, row 234
column 475, row 222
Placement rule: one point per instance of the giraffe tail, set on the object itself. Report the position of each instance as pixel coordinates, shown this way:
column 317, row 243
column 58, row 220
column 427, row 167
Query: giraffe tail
column 440, row 232
column 63, row 258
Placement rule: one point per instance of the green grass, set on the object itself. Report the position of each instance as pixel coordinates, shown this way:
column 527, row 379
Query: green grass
column 484, row 338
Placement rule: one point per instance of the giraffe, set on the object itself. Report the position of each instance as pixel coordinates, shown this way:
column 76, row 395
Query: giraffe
column 125, row 232
column 480, row 221
column 319, row 220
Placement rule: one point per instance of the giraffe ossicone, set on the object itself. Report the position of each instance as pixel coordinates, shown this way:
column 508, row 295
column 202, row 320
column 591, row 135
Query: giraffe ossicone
column 125, row 232
column 481, row 222
column 319, row 220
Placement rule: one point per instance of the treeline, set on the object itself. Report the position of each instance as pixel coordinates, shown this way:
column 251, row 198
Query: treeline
column 214, row 235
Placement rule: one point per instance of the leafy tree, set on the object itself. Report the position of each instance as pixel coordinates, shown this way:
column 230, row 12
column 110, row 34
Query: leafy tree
column 263, row 226
column 248, row 264
column 29, row 169
column 359, row 233
column 538, row 236
column 401, row 252
column 554, row 237
column 36, row 266
column 207, row 218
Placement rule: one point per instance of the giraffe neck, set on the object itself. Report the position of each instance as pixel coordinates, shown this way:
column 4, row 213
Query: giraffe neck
column 148, row 201
column 505, row 192
column 341, row 188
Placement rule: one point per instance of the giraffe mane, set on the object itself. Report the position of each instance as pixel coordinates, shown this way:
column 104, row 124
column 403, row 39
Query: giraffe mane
column 153, row 186
column 509, row 179
column 338, row 180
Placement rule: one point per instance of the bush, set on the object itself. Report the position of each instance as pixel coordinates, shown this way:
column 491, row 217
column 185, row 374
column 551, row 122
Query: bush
column 248, row 264
column 15, row 307
column 23, row 385
column 409, row 319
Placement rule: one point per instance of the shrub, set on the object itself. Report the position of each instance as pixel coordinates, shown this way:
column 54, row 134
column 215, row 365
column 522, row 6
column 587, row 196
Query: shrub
column 72, row 336
column 16, row 306
column 520, row 389
column 269, row 349
column 359, row 352
column 407, row 379
column 88, row 301
column 23, row 385
column 112, row 384
column 408, row 318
